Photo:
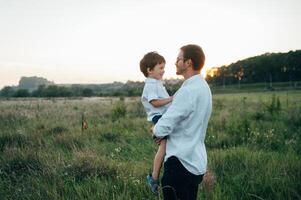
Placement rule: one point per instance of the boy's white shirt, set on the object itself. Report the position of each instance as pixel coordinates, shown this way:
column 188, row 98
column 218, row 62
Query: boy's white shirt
column 153, row 89
column 185, row 123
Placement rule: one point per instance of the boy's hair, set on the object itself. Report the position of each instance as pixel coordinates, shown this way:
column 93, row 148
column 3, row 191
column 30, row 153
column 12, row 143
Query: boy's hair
column 196, row 54
column 149, row 61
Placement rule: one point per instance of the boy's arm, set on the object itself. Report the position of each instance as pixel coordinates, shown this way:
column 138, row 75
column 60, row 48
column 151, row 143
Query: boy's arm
column 160, row 102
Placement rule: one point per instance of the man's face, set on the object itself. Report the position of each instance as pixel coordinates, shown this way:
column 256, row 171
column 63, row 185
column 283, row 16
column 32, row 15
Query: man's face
column 157, row 72
column 180, row 64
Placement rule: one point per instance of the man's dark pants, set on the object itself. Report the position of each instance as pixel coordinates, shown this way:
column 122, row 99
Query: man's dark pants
column 177, row 182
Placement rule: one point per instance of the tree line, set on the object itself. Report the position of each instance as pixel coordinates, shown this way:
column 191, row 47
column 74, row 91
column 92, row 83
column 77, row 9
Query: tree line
column 269, row 67
column 130, row 88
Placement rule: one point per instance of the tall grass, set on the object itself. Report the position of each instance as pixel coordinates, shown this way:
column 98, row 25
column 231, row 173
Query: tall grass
column 253, row 143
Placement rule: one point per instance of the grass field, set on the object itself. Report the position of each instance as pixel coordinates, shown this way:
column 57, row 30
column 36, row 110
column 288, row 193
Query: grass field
column 253, row 143
column 256, row 87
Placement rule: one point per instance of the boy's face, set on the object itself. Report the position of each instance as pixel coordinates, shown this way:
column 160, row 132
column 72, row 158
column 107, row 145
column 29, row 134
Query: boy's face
column 157, row 72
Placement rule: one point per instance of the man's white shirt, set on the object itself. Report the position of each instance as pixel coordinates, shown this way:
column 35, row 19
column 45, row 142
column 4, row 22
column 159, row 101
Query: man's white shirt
column 153, row 89
column 185, row 123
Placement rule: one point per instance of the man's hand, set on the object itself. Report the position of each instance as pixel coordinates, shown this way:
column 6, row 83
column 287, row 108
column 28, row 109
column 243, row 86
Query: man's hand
column 152, row 129
column 157, row 140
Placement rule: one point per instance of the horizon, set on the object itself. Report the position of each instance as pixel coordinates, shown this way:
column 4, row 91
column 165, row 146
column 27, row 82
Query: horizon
column 96, row 42
column 165, row 78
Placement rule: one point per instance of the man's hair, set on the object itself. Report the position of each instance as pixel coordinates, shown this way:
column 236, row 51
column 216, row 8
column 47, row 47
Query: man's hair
column 149, row 61
column 196, row 54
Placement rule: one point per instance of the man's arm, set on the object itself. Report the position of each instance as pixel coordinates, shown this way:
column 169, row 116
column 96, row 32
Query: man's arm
column 179, row 110
column 160, row 102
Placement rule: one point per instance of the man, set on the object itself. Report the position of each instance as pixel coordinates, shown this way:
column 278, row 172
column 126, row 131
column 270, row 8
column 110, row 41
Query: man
column 185, row 124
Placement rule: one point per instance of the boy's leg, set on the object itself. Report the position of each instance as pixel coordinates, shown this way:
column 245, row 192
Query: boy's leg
column 158, row 160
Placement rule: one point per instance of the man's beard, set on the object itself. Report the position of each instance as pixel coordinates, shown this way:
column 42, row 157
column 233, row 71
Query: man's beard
column 180, row 71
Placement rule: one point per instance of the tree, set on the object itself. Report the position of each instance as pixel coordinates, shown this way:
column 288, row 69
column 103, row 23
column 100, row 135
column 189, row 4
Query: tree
column 87, row 92
column 40, row 92
column 7, row 91
column 269, row 68
column 22, row 93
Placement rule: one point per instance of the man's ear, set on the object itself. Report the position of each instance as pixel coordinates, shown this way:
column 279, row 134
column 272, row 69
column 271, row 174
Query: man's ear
column 189, row 62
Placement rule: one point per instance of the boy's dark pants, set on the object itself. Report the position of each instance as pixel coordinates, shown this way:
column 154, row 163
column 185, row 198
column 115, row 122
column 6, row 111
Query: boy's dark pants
column 178, row 182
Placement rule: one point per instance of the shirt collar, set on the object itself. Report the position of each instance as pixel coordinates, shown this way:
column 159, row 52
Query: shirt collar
column 192, row 79
column 151, row 80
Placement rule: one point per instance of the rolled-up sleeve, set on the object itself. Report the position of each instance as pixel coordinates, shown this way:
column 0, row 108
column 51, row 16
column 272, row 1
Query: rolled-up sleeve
column 151, row 92
column 179, row 109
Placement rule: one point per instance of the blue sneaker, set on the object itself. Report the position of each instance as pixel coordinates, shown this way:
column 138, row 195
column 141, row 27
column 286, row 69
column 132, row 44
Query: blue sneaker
column 152, row 184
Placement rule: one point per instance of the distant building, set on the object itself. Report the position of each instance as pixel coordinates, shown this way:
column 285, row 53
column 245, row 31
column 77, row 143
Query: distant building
column 32, row 83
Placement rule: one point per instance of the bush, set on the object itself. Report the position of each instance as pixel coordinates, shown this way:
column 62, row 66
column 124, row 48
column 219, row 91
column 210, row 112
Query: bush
column 7, row 91
column 22, row 93
column 275, row 106
column 87, row 92
column 137, row 110
column 119, row 110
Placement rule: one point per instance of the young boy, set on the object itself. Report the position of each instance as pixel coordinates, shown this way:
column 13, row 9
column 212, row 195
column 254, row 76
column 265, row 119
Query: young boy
column 155, row 100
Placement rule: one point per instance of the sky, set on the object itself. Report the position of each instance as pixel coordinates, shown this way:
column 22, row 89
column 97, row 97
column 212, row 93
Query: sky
column 98, row 41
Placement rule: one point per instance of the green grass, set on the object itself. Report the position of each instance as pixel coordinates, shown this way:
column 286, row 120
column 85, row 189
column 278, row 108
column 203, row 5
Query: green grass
column 256, row 87
column 253, row 143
